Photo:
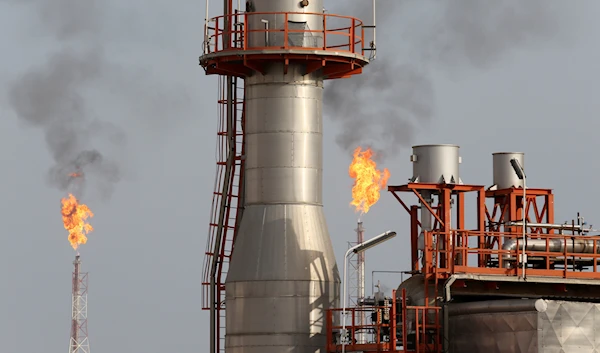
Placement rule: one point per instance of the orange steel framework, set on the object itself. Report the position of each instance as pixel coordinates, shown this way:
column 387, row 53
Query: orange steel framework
column 450, row 248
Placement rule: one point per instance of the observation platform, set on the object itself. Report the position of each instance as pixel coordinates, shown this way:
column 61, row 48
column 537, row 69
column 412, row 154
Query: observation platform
column 243, row 43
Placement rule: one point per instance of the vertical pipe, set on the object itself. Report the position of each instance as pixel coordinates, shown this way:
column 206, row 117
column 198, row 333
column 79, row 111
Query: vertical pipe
column 393, row 321
column 524, row 225
column 206, row 44
column 414, row 237
column 404, row 322
column 446, row 329
column 374, row 30
column 481, row 214
column 361, row 276
column 345, row 299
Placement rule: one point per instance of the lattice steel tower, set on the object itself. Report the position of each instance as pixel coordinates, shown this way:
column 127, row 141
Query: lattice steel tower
column 356, row 281
column 79, row 342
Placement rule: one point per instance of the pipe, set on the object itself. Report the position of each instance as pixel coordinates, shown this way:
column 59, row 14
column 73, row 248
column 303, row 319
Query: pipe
column 374, row 30
column 344, row 300
column 373, row 276
column 206, row 40
column 549, row 226
column 449, row 282
column 582, row 246
column 497, row 306
column 446, row 328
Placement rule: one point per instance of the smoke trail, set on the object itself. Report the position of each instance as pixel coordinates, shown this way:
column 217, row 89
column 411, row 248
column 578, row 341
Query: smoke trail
column 52, row 96
column 49, row 97
column 387, row 105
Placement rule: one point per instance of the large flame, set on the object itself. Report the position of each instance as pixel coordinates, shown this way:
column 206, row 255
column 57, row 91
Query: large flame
column 368, row 180
column 74, row 217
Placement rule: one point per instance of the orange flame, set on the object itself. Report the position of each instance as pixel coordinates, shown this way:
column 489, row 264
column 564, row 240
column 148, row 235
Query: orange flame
column 75, row 175
column 74, row 217
column 368, row 180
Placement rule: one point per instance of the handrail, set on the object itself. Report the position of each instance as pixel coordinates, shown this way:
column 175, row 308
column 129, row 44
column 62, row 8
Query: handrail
column 346, row 37
column 563, row 255
column 425, row 327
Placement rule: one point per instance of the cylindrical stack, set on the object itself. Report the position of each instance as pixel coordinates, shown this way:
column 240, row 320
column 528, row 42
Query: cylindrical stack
column 434, row 164
column 504, row 174
column 505, row 177
column 283, row 274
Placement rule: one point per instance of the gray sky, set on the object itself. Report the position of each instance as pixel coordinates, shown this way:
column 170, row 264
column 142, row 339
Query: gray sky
column 145, row 256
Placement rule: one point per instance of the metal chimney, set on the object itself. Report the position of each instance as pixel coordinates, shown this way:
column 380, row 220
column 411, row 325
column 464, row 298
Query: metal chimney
column 434, row 164
column 283, row 274
column 504, row 174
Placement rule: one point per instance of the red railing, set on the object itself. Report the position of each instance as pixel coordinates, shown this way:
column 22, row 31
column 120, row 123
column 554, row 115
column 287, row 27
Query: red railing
column 551, row 255
column 284, row 31
column 397, row 328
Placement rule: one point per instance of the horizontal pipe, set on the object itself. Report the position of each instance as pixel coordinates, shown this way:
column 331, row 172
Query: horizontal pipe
column 581, row 246
column 495, row 306
column 549, row 226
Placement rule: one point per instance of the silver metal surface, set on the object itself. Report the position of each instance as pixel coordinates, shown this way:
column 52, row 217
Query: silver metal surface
column 283, row 275
column 569, row 227
column 426, row 219
column 436, row 164
column 504, row 174
column 284, row 137
column 520, row 325
column 282, row 278
column 582, row 246
column 415, row 295
column 298, row 21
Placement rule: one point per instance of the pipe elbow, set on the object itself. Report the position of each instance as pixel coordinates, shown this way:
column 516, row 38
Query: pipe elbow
column 510, row 244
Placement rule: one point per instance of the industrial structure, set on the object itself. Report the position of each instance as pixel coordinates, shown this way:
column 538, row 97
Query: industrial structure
column 498, row 275
column 79, row 342
column 356, row 279
column 491, row 270
column 271, row 273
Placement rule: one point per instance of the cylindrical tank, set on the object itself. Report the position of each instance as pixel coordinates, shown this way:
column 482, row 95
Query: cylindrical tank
column 415, row 295
column 504, row 174
column 308, row 18
column 436, row 164
column 283, row 274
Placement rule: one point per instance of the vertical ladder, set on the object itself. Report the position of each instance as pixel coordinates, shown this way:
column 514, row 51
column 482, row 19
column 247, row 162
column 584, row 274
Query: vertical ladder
column 227, row 205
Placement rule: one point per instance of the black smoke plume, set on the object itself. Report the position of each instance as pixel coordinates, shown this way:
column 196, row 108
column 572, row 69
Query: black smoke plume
column 52, row 97
column 394, row 97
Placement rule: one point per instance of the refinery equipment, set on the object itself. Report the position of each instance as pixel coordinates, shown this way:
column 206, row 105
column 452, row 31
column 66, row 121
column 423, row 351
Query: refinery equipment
column 497, row 275
column 356, row 276
column 271, row 273
column 79, row 342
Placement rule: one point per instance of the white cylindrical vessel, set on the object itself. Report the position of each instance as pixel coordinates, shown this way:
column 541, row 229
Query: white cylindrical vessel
column 305, row 19
column 436, row 164
column 504, row 174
